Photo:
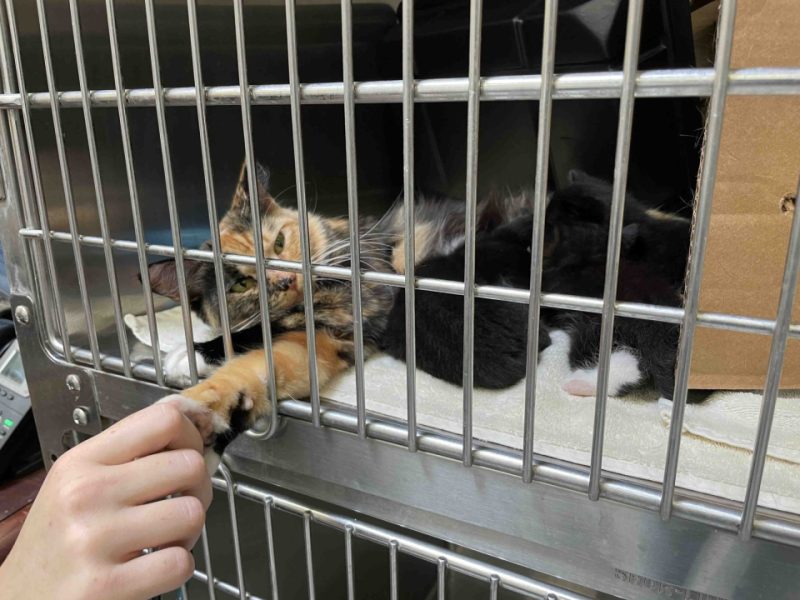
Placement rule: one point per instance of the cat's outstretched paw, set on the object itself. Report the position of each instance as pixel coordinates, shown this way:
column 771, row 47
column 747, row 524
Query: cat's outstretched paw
column 208, row 423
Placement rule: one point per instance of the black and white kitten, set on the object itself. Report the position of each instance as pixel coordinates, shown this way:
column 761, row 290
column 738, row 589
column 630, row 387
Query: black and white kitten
column 652, row 262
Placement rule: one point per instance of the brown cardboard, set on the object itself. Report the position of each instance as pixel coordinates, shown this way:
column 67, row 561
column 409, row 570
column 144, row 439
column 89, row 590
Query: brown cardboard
column 759, row 164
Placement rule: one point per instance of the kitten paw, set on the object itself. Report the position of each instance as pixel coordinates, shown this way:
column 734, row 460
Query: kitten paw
column 623, row 375
column 580, row 387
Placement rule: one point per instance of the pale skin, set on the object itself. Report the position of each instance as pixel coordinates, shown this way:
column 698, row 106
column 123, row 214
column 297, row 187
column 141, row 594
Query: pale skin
column 103, row 502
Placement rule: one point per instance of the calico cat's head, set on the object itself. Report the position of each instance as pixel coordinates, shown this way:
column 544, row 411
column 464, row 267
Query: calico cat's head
column 280, row 231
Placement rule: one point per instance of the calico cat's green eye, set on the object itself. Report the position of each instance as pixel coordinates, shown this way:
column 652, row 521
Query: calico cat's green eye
column 242, row 285
column 279, row 241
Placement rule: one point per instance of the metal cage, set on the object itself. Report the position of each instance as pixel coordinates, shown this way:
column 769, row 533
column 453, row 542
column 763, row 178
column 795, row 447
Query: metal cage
column 588, row 527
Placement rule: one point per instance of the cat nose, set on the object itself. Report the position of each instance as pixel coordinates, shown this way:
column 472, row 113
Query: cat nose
column 284, row 283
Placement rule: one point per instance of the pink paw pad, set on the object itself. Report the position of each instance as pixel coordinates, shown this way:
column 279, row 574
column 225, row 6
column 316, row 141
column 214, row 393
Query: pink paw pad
column 580, row 387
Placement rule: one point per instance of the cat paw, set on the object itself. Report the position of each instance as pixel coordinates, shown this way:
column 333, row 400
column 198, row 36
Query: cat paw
column 580, row 387
column 176, row 368
column 624, row 374
column 209, row 424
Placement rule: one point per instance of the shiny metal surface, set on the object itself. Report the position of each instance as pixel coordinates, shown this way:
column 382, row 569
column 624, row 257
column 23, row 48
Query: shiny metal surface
column 102, row 213
column 473, row 120
column 621, row 550
column 637, row 310
column 524, row 509
column 302, row 206
column 622, row 152
column 352, row 206
column 705, row 196
column 169, row 182
column 208, row 179
column 657, row 83
column 498, row 576
column 774, row 370
column 409, row 237
column 537, row 239
column 255, row 211
column 130, row 177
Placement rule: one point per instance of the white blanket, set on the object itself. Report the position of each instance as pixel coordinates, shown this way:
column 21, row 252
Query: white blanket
column 716, row 445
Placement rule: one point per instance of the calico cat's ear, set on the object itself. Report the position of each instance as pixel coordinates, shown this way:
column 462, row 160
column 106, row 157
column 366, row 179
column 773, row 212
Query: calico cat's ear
column 241, row 197
column 163, row 277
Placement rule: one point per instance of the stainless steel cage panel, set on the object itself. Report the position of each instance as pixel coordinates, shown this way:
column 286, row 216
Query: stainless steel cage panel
column 439, row 562
column 639, row 540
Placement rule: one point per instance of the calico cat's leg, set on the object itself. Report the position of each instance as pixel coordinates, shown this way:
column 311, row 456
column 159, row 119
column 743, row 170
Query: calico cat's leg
column 235, row 395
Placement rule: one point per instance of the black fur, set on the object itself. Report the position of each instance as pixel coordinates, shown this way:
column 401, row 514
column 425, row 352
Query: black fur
column 502, row 257
column 652, row 266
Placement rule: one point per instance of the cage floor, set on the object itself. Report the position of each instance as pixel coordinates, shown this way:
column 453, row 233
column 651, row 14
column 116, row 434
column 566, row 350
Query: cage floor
column 636, row 432
column 636, row 435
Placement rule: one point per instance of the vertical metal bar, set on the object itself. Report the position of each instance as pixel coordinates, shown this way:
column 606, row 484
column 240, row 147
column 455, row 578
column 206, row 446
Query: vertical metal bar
column 494, row 587
column 473, row 111
column 98, row 189
column 77, row 251
column 537, row 241
column 136, row 212
column 230, row 492
column 184, row 592
column 273, row 569
column 409, row 232
column 212, row 595
column 208, row 178
column 352, row 209
column 393, row 569
column 302, row 208
column 174, row 218
column 20, row 191
column 309, row 557
column 255, row 212
column 24, row 202
column 622, row 153
column 348, row 557
column 708, row 174
column 441, row 574
column 774, row 370
column 33, row 159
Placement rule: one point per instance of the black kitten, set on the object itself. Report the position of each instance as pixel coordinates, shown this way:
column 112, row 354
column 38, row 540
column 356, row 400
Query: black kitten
column 502, row 257
column 655, row 247
column 652, row 264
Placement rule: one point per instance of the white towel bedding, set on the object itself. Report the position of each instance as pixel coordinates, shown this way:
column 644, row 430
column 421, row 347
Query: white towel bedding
column 716, row 443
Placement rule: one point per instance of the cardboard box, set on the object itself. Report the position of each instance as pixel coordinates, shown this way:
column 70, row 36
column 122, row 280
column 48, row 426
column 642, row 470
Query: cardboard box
column 759, row 164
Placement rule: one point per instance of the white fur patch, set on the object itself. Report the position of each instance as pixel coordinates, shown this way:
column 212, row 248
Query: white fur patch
column 194, row 410
column 212, row 460
column 623, row 372
column 176, row 368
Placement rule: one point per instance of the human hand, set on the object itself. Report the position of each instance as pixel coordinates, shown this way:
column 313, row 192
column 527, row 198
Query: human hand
column 103, row 502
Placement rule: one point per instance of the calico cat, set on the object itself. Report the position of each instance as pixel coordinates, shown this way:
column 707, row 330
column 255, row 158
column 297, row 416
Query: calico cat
column 234, row 394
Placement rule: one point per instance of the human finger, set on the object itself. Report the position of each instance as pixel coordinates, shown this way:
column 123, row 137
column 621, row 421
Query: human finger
column 168, row 522
column 152, row 429
column 154, row 573
column 163, row 474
